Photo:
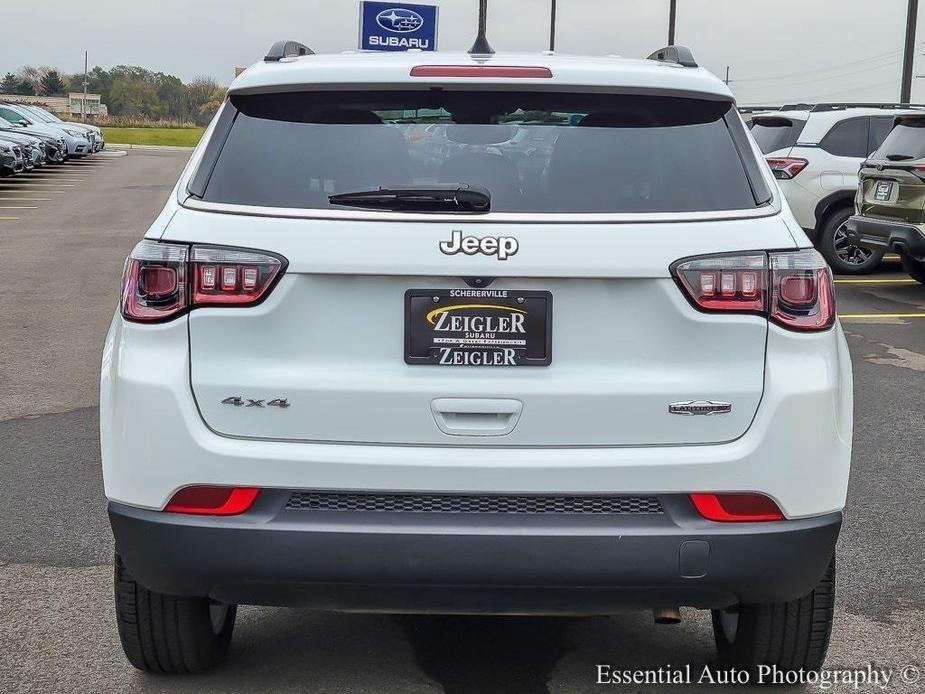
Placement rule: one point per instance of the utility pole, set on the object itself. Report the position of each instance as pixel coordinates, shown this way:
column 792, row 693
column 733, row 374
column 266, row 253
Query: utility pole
column 86, row 66
column 911, row 19
column 672, row 19
column 552, row 27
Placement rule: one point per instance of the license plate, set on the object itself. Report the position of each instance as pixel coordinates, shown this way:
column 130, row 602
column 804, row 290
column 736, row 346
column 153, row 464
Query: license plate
column 884, row 191
column 478, row 327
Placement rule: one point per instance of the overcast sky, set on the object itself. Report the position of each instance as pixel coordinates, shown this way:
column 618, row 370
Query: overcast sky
column 783, row 50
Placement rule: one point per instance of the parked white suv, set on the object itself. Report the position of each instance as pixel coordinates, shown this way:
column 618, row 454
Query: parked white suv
column 815, row 153
column 365, row 364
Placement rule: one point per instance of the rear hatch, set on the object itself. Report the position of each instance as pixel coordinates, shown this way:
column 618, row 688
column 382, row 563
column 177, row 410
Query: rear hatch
column 611, row 340
column 893, row 178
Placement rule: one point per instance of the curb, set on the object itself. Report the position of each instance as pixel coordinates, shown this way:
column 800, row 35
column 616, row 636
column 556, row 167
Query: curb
column 163, row 148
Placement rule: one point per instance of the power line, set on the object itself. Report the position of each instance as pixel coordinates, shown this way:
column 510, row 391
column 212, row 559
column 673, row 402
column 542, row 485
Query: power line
column 892, row 56
column 823, row 78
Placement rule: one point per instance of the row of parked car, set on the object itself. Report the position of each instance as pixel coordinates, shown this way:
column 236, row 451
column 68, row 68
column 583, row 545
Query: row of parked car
column 32, row 137
column 816, row 152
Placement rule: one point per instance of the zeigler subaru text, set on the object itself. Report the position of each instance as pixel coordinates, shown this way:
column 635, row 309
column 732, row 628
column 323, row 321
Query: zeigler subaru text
column 500, row 334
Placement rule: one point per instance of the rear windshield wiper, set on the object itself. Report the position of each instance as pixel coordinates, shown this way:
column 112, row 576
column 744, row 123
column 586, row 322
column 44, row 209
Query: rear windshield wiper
column 451, row 198
column 899, row 157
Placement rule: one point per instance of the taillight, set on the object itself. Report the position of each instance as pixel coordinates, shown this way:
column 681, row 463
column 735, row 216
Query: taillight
column 726, row 282
column 793, row 289
column 224, row 276
column 212, row 501
column 785, row 168
column 163, row 280
column 154, row 283
column 802, row 291
column 736, row 508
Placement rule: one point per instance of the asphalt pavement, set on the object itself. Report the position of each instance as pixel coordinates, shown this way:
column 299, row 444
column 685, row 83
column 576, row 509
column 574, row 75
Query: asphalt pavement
column 60, row 260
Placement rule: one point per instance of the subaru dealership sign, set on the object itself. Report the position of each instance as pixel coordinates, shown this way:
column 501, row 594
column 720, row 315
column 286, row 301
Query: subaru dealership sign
column 389, row 26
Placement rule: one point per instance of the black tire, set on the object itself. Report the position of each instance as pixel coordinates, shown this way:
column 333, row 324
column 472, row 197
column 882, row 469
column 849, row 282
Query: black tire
column 168, row 634
column 915, row 268
column 844, row 258
column 791, row 635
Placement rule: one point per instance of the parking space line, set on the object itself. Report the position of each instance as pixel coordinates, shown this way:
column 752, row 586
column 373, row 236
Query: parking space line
column 2, row 199
column 24, row 207
column 888, row 316
column 892, row 281
column 8, row 219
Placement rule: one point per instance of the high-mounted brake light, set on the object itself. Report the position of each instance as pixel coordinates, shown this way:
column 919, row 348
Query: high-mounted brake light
column 736, row 508
column 785, row 168
column 505, row 71
column 793, row 289
column 205, row 500
column 163, row 280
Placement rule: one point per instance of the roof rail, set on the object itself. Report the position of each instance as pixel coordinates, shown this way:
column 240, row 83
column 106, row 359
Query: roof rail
column 841, row 107
column 758, row 109
column 680, row 55
column 286, row 49
column 797, row 107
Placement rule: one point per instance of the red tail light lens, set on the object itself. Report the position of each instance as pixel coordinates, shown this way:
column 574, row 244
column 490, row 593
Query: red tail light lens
column 786, row 168
column 223, row 276
column 736, row 508
column 725, row 282
column 212, row 501
column 802, row 291
column 163, row 280
column 154, row 284
column 793, row 289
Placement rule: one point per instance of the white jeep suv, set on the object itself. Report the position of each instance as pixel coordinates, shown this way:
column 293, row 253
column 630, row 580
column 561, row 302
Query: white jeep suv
column 566, row 354
column 816, row 153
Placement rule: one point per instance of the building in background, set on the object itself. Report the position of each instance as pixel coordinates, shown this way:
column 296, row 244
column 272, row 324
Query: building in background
column 70, row 106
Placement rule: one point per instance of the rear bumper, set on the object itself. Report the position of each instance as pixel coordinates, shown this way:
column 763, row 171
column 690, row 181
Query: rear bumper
column 473, row 563
column 882, row 235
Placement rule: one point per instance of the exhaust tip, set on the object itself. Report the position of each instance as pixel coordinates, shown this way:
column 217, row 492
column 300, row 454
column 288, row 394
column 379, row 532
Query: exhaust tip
column 666, row 615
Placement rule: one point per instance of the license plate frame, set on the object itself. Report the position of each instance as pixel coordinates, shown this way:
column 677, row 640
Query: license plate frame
column 425, row 321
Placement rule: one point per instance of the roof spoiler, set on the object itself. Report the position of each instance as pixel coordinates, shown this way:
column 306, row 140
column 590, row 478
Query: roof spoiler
column 821, row 108
column 679, row 55
column 286, row 49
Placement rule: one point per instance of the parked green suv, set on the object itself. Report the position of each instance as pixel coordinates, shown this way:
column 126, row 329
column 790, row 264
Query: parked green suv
column 890, row 201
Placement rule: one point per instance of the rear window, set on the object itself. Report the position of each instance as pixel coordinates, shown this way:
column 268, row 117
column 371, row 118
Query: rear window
column 905, row 142
column 773, row 134
column 535, row 152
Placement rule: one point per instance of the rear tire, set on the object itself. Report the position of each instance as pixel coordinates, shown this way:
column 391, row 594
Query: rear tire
column 169, row 634
column 791, row 635
column 844, row 258
column 915, row 268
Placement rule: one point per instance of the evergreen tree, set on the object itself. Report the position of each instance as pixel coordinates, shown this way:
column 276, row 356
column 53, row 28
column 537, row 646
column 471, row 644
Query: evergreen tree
column 9, row 84
column 51, row 83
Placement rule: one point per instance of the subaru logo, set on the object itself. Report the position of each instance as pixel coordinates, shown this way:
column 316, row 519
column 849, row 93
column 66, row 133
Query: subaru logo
column 399, row 20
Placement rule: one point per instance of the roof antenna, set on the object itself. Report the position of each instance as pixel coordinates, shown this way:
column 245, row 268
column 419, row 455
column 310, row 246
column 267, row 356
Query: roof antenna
column 481, row 45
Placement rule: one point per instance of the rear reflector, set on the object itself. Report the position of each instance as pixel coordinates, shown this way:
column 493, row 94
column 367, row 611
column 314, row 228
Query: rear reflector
column 212, row 501
column 505, row 71
column 736, row 508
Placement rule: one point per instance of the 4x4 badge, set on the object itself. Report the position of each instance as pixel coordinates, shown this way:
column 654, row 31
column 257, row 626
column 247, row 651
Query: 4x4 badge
column 502, row 246
column 238, row 401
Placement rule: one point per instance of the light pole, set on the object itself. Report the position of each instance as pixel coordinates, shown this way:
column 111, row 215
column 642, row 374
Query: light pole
column 911, row 19
column 672, row 19
column 552, row 26
column 83, row 109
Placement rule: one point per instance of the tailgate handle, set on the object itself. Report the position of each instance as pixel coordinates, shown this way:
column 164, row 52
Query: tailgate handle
column 476, row 416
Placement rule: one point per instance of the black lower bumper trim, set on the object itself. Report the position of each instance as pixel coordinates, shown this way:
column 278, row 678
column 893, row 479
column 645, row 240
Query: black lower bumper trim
column 884, row 235
column 433, row 562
